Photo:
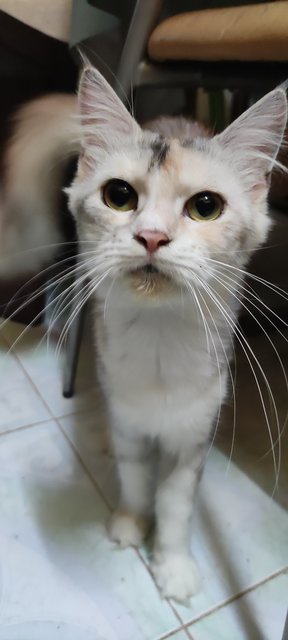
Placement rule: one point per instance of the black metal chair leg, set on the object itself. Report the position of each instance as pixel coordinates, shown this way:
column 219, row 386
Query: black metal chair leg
column 73, row 344
column 285, row 631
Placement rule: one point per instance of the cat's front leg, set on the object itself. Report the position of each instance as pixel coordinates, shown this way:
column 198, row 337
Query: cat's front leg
column 132, row 520
column 173, row 567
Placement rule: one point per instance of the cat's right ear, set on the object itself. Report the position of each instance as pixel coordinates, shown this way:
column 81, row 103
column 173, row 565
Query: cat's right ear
column 253, row 140
column 104, row 118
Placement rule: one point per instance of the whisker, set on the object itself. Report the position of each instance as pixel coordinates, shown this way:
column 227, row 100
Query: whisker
column 232, row 384
column 92, row 287
column 40, row 291
column 38, row 315
column 108, row 297
column 228, row 288
column 247, row 349
column 266, row 283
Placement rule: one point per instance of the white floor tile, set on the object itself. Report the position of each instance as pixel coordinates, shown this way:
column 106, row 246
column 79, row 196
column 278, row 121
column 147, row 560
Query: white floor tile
column 46, row 370
column 20, row 404
column 258, row 615
column 61, row 576
column 239, row 535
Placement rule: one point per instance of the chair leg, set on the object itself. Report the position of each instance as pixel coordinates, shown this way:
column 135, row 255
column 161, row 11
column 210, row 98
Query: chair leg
column 285, row 631
column 73, row 344
column 143, row 19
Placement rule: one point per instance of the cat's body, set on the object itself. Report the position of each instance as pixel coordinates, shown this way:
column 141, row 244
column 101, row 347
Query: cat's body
column 43, row 136
column 166, row 224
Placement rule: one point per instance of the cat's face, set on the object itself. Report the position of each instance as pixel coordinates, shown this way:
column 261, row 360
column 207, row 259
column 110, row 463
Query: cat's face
column 155, row 211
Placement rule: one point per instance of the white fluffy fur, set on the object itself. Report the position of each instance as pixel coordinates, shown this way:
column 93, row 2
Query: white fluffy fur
column 45, row 133
column 164, row 369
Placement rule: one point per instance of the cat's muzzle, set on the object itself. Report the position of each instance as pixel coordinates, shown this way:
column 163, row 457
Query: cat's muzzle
column 149, row 281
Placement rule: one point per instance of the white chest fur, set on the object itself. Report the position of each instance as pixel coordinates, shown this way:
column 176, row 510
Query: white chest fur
column 158, row 372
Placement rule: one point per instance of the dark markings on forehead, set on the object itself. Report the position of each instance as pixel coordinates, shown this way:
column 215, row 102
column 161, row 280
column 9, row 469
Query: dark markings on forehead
column 160, row 149
column 196, row 144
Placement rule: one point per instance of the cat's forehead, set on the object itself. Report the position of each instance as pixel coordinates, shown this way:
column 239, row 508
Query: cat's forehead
column 169, row 166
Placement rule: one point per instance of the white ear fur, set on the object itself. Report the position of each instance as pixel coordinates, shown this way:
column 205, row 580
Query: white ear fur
column 104, row 118
column 254, row 139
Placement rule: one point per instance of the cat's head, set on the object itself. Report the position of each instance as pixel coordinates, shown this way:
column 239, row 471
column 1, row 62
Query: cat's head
column 153, row 212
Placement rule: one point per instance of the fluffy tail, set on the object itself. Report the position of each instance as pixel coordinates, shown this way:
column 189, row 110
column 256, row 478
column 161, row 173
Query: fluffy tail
column 45, row 134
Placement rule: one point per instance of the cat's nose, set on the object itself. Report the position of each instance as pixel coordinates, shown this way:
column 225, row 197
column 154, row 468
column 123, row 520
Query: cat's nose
column 152, row 240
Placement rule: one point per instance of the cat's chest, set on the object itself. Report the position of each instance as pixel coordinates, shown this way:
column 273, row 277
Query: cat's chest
column 148, row 353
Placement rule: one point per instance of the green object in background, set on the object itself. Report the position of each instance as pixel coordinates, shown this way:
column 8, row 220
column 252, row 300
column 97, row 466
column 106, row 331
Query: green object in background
column 217, row 110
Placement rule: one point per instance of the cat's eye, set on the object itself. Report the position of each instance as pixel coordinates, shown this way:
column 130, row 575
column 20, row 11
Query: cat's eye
column 204, row 206
column 119, row 195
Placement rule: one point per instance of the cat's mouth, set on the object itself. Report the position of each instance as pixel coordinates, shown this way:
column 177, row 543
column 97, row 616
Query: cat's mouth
column 150, row 281
column 149, row 268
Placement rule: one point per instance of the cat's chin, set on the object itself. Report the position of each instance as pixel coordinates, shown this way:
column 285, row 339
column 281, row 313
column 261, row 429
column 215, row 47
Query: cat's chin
column 150, row 282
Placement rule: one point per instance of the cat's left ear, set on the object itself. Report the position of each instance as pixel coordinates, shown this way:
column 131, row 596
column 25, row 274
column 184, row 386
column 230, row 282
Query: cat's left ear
column 104, row 118
column 253, row 140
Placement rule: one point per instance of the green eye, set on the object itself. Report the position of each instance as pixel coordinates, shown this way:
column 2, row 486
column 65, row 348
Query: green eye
column 119, row 195
column 204, row 206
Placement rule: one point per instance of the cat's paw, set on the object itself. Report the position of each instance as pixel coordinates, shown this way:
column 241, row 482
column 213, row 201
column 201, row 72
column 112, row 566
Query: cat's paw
column 176, row 576
column 128, row 529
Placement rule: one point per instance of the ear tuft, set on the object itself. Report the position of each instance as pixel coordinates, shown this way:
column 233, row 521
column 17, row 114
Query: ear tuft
column 254, row 139
column 104, row 118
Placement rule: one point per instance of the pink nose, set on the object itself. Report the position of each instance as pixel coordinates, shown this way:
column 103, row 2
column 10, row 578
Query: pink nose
column 152, row 240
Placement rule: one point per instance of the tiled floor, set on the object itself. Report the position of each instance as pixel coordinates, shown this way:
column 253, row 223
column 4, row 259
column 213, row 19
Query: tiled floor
column 61, row 578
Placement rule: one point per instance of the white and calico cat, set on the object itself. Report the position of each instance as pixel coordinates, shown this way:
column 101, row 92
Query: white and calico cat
column 167, row 218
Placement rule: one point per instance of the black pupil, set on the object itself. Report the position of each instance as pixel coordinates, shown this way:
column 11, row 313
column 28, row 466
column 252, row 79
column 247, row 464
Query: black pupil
column 120, row 193
column 205, row 204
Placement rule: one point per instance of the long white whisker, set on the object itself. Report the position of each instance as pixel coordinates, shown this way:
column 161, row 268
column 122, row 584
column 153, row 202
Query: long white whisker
column 269, row 285
column 247, row 349
column 278, row 441
column 79, row 306
column 107, row 298
column 231, row 378
column 38, row 315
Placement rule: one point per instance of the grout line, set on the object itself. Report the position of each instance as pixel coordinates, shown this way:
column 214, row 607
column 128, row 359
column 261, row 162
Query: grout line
column 14, row 354
column 56, row 420
column 24, row 370
column 83, row 464
column 237, row 596
column 26, row 426
column 172, row 606
column 173, row 632
column 82, row 411
column 168, row 600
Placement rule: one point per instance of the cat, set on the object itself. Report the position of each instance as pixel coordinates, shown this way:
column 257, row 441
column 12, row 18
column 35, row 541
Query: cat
column 167, row 217
column 160, row 214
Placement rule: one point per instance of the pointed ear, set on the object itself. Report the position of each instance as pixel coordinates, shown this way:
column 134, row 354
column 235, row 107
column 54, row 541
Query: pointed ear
column 254, row 139
column 104, row 118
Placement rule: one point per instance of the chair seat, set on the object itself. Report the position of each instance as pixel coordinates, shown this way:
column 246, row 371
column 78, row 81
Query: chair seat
column 254, row 33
